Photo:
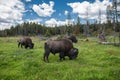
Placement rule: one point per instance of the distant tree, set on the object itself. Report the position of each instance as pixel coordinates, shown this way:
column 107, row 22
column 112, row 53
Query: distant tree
column 78, row 21
column 69, row 26
column 76, row 31
column 86, row 27
column 48, row 34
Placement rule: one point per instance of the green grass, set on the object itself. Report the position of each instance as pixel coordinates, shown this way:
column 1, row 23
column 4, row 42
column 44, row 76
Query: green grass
column 94, row 62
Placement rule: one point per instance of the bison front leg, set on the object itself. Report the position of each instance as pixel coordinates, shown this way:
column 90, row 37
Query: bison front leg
column 18, row 44
column 62, row 56
column 21, row 45
column 26, row 46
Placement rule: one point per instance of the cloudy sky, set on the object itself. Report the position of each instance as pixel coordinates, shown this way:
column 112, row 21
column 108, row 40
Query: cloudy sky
column 49, row 12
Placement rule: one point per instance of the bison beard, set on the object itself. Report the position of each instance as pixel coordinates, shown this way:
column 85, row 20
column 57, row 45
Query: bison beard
column 26, row 42
column 63, row 46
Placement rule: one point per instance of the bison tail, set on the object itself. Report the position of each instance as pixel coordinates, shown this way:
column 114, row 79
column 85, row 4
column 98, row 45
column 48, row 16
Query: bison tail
column 45, row 45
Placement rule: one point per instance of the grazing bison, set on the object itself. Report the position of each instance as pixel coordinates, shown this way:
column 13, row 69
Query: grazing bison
column 63, row 46
column 26, row 42
column 72, row 38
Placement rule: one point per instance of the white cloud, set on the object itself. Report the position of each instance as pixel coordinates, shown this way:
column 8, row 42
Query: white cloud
column 28, row 0
column 11, row 12
column 92, row 9
column 44, row 9
column 66, row 12
column 53, row 22
column 35, row 20
column 118, row 7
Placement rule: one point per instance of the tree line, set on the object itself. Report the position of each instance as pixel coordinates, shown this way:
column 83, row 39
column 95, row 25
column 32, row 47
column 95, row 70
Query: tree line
column 32, row 29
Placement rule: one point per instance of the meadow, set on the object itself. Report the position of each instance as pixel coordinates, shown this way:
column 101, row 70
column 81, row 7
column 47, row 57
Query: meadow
column 94, row 62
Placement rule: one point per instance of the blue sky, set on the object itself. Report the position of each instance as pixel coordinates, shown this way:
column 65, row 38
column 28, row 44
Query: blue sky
column 50, row 12
column 60, row 6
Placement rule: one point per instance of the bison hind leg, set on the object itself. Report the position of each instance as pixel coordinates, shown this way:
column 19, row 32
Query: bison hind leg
column 46, row 54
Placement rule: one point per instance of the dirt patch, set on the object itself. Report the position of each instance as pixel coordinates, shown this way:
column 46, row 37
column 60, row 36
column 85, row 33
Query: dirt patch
column 113, row 52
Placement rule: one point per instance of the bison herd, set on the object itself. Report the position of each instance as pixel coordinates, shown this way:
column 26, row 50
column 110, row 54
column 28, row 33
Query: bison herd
column 63, row 46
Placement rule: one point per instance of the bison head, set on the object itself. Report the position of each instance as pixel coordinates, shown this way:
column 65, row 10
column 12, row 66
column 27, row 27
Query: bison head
column 31, row 45
column 73, row 53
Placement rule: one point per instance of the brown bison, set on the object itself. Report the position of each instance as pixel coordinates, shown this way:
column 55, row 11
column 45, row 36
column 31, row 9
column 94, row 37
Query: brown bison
column 72, row 38
column 63, row 46
column 26, row 42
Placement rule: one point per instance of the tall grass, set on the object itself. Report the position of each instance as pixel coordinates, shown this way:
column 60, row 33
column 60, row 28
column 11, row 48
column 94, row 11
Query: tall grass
column 95, row 62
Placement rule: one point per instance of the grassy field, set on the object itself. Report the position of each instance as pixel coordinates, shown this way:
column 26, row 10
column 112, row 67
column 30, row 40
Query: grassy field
column 94, row 62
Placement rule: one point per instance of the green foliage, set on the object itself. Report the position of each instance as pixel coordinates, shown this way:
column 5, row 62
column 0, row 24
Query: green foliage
column 47, row 34
column 69, row 29
column 94, row 62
